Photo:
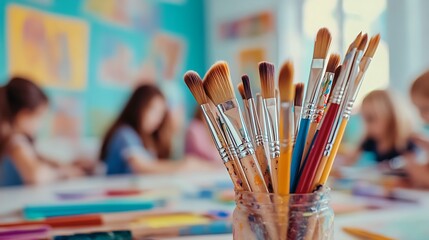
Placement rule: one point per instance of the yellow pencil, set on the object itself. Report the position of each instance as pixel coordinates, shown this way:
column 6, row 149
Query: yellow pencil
column 364, row 234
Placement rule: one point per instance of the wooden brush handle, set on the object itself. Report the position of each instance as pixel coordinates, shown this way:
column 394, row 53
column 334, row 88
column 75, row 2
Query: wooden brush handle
column 253, row 174
column 261, row 156
column 274, row 166
column 240, row 184
column 330, row 159
column 315, row 155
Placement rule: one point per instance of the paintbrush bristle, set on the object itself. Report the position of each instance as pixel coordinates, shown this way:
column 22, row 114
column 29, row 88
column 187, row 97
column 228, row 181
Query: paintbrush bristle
column 335, row 80
column 286, row 87
column 240, row 88
column 355, row 43
column 266, row 74
column 299, row 94
column 363, row 42
column 333, row 62
column 321, row 46
column 217, row 83
column 247, row 89
column 195, row 84
column 372, row 46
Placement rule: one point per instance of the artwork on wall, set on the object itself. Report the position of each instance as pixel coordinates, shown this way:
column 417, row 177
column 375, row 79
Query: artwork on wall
column 67, row 116
column 252, row 26
column 119, row 65
column 51, row 49
column 138, row 14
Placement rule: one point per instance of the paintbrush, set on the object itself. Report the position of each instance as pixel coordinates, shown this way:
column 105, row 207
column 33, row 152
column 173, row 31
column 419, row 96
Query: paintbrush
column 321, row 47
column 218, row 86
column 195, row 85
column 306, row 179
column 341, row 122
column 287, row 92
column 266, row 75
column 299, row 97
column 240, row 89
column 256, row 132
column 334, row 59
column 363, row 66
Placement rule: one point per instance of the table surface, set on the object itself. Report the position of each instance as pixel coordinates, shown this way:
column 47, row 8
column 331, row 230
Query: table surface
column 12, row 199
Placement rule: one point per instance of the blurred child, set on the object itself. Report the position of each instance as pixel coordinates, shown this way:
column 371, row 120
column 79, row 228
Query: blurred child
column 139, row 141
column 387, row 128
column 199, row 143
column 418, row 169
column 22, row 106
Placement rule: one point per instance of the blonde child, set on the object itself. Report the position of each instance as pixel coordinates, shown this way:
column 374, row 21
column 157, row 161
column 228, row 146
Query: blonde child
column 387, row 128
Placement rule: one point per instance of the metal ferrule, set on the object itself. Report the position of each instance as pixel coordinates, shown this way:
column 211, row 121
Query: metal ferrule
column 339, row 90
column 215, row 132
column 271, row 113
column 229, row 143
column 286, row 121
column 363, row 66
column 246, row 118
column 254, row 123
column 314, row 86
column 332, row 137
column 230, row 113
column 355, row 84
column 261, row 118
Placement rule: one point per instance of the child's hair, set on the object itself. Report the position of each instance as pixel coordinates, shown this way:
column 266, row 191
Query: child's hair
column 399, row 125
column 421, row 86
column 131, row 115
column 17, row 95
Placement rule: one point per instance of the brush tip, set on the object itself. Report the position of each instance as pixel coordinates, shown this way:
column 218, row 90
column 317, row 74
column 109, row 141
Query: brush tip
column 362, row 44
column 217, row 83
column 372, row 46
column 299, row 94
column 195, row 85
column 240, row 88
column 286, row 86
column 247, row 88
column 266, row 75
column 322, row 43
column 333, row 62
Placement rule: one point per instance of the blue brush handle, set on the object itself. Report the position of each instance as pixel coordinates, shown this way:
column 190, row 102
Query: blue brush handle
column 297, row 152
column 306, row 156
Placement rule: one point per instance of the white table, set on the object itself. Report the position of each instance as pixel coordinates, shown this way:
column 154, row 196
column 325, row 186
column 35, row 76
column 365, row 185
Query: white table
column 14, row 198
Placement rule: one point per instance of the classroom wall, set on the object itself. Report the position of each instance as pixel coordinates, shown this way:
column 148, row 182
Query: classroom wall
column 89, row 54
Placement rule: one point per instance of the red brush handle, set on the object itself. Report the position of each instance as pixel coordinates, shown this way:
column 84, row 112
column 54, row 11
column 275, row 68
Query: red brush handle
column 316, row 152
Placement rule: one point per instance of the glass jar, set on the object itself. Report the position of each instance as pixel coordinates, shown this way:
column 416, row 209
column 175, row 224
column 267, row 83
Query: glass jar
column 263, row 216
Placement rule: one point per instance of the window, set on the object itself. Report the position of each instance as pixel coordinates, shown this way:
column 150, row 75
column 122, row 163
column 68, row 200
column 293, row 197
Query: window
column 345, row 19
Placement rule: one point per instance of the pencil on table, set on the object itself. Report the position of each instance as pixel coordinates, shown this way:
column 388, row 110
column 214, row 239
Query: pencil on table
column 364, row 234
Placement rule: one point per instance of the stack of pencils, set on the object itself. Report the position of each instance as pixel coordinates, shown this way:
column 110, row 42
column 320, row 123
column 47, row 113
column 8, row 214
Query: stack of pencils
column 283, row 141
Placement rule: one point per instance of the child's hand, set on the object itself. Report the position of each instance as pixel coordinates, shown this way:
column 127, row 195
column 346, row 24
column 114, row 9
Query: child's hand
column 418, row 173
